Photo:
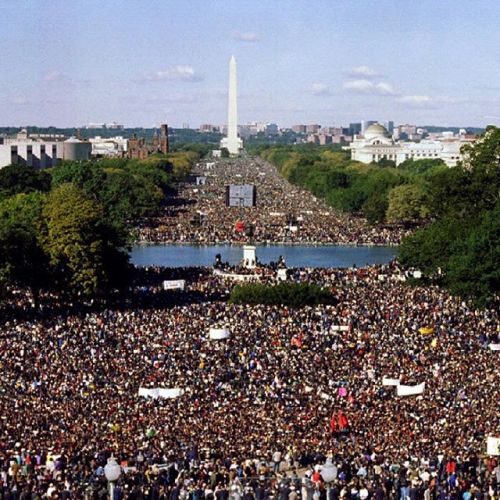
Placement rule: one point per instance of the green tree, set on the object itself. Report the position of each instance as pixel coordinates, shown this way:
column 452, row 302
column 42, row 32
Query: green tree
column 16, row 179
column 464, row 240
column 89, row 176
column 23, row 263
column 375, row 208
column 417, row 167
column 449, row 193
column 407, row 203
column 431, row 247
column 78, row 242
column 473, row 270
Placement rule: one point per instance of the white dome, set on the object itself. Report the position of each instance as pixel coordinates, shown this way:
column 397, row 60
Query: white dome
column 376, row 130
column 73, row 139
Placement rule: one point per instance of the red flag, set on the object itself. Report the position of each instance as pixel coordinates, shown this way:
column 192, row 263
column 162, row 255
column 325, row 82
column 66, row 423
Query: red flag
column 343, row 422
column 333, row 424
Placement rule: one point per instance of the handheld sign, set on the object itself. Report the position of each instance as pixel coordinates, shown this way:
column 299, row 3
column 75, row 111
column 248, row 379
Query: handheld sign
column 218, row 333
column 174, row 284
column 410, row 390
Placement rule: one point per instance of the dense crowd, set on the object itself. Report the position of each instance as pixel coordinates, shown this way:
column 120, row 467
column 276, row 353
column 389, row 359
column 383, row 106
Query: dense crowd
column 284, row 212
column 261, row 411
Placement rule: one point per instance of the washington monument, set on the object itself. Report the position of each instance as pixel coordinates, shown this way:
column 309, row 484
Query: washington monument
column 232, row 142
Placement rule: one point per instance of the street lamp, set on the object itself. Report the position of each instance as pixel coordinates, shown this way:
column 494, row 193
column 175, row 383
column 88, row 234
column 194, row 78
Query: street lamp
column 112, row 472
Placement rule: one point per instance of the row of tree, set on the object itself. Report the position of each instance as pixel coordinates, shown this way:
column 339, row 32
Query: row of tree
column 287, row 294
column 380, row 193
column 68, row 228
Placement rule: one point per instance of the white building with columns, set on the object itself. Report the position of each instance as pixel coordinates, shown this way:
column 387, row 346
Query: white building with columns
column 377, row 144
column 41, row 152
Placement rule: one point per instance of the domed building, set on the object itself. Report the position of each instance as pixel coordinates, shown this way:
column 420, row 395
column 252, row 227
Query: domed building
column 376, row 144
column 375, row 131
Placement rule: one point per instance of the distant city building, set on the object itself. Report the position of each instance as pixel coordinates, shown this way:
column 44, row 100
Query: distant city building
column 35, row 151
column 313, row 128
column 139, row 149
column 405, row 131
column 389, row 125
column 163, row 145
column 341, row 139
column 271, row 129
column 299, row 129
column 376, row 145
column 354, row 128
column 325, row 139
column 109, row 146
column 244, row 131
column 112, row 126
column 208, row 127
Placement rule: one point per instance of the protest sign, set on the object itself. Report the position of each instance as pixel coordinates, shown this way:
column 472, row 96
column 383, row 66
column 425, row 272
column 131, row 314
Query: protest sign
column 174, row 284
column 493, row 446
column 218, row 333
column 410, row 390
column 158, row 392
column 390, row 381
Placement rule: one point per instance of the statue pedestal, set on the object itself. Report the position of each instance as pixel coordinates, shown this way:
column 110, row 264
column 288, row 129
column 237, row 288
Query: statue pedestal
column 249, row 257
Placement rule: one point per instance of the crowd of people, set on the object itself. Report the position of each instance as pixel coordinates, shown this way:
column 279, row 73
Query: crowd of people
column 284, row 213
column 258, row 413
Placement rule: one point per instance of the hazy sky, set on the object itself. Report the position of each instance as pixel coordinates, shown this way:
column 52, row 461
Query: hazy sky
column 141, row 63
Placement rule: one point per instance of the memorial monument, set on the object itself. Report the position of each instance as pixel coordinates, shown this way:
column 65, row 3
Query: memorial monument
column 232, row 142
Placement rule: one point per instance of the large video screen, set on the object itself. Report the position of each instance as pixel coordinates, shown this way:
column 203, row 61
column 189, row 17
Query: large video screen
column 241, row 195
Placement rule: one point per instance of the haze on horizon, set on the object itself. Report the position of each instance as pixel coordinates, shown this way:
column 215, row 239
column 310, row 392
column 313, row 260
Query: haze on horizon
column 68, row 63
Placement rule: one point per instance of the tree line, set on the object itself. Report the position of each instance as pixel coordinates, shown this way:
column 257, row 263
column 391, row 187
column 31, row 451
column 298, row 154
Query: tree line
column 67, row 229
column 454, row 212
column 379, row 192
column 284, row 294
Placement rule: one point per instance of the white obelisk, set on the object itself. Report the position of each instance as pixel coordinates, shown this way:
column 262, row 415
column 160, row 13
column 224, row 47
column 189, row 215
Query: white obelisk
column 232, row 142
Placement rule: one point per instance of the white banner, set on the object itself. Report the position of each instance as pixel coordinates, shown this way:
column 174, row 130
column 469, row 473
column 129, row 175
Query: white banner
column 390, row 381
column 411, row 390
column 281, row 274
column 174, row 284
column 494, row 347
column 339, row 328
column 218, row 333
column 159, row 392
column 493, row 446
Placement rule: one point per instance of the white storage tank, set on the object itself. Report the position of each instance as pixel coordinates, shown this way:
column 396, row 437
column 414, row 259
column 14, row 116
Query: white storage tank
column 76, row 150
